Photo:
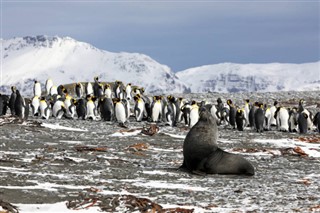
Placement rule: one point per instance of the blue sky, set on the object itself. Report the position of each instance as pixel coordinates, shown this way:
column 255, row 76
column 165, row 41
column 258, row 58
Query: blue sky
column 180, row 34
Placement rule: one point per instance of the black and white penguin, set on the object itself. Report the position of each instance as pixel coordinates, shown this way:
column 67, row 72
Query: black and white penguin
column 21, row 107
column 4, row 103
column 108, row 91
column 89, row 89
column 69, row 104
column 118, row 89
column 267, row 118
column 139, row 108
column 240, row 119
column 12, row 99
column 81, row 108
column 259, row 118
column 303, row 122
column 127, row 105
column 273, row 109
column 156, row 109
column 247, row 108
column 170, row 111
column 251, row 114
column 96, row 86
column 59, row 109
column 48, row 85
column 128, row 92
column 79, row 90
column 106, row 108
column 37, row 89
column 54, row 90
column 231, row 118
column 62, row 91
column 91, row 108
column 282, row 117
column 293, row 119
column 316, row 121
column 35, row 104
column 194, row 113
column 44, row 108
column 120, row 111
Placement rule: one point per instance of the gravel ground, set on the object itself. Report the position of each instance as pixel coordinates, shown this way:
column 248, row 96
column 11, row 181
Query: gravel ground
column 93, row 162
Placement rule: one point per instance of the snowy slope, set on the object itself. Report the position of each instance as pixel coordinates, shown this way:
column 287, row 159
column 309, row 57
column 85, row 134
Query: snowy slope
column 229, row 77
column 66, row 60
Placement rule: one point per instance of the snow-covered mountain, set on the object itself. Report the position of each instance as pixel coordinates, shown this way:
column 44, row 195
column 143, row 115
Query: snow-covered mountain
column 66, row 60
column 230, row 77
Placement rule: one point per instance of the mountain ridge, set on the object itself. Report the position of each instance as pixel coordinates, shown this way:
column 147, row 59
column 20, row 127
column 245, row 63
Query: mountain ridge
column 67, row 60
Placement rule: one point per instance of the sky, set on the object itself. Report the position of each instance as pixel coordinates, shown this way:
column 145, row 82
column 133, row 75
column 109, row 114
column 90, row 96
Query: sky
column 179, row 34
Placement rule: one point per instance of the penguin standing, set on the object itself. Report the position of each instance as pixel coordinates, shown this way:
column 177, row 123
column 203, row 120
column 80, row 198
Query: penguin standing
column 128, row 92
column 156, row 109
column 120, row 111
column 282, row 117
column 194, row 114
column 35, row 104
column 240, row 119
column 247, row 111
column 21, row 107
column 81, row 108
column 49, row 84
column 118, row 89
column 44, row 108
column 106, row 108
column 91, row 108
column 251, row 114
column 108, row 91
column 53, row 90
column 232, row 114
column 62, row 91
column 186, row 109
column 303, row 122
column 89, row 89
column 259, row 118
column 170, row 111
column 59, row 109
column 79, row 90
column 37, row 89
column 69, row 105
column 273, row 109
column 4, row 103
column 139, row 108
column 12, row 100
column 96, row 87
column 127, row 105
column 267, row 117
column 293, row 119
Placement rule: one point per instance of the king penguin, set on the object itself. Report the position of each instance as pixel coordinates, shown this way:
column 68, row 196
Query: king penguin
column 303, row 122
column 81, row 108
column 79, row 90
column 21, row 107
column 316, row 121
column 139, row 108
column 194, row 114
column 91, row 108
column 44, row 108
column 59, row 109
column 37, row 89
column 108, row 91
column 240, row 119
column 259, row 118
column 232, row 114
column 120, row 111
column 35, row 104
column 156, row 109
column 12, row 99
column 128, row 92
column 106, row 108
column 49, row 84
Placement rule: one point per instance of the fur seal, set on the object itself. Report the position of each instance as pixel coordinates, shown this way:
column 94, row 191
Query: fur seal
column 202, row 154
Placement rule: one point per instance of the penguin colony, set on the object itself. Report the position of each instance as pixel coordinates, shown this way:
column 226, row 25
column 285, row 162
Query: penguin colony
column 118, row 102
